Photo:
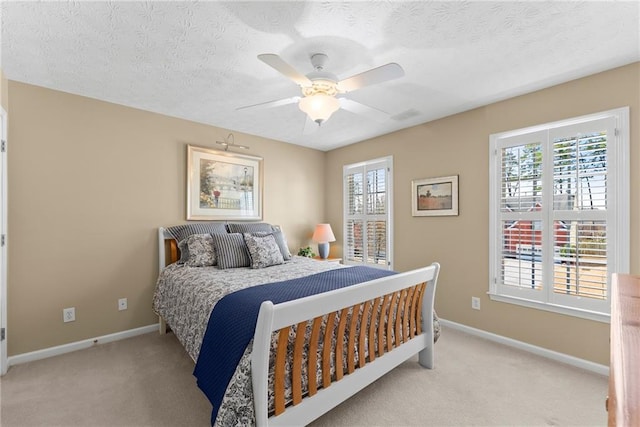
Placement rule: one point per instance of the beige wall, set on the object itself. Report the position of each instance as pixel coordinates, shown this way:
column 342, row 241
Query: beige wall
column 89, row 184
column 459, row 145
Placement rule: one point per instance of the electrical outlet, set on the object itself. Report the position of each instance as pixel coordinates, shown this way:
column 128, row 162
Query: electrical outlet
column 122, row 304
column 69, row 314
column 475, row 303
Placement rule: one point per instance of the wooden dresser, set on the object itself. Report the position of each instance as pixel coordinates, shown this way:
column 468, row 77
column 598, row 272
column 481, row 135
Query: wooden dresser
column 623, row 403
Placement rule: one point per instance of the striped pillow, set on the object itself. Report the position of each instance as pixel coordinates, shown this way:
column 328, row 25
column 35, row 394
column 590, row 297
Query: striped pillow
column 231, row 250
column 249, row 227
column 181, row 232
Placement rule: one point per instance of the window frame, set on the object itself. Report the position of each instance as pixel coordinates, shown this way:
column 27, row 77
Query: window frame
column 617, row 217
column 366, row 166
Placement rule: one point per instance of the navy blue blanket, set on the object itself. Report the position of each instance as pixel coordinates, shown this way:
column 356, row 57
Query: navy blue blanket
column 233, row 320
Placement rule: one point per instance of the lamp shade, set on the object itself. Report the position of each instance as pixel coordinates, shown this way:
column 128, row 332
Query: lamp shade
column 323, row 234
column 319, row 107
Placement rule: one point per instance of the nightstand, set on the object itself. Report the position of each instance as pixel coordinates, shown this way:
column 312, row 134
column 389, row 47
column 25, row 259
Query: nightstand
column 338, row 260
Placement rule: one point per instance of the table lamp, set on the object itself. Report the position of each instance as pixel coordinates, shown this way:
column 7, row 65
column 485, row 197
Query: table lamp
column 323, row 235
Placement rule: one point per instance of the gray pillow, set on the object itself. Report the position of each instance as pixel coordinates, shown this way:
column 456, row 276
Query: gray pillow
column 181, row 232
column 231, row 250
column 201, row 251
column 249, row 227
column 263, row 250
column 281, row 241
column 184, row 251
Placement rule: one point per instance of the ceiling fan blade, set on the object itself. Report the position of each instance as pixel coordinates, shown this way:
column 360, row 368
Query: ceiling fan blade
column 278, row 64
column 380, row 74
column 364, row 110
column 271, row 104
column 310, row 126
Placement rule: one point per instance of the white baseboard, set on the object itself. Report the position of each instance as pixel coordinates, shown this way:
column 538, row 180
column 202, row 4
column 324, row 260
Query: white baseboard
column 78, row 345
column 540, row 351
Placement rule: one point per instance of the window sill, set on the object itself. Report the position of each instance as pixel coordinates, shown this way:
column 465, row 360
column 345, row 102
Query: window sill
column 568, row 311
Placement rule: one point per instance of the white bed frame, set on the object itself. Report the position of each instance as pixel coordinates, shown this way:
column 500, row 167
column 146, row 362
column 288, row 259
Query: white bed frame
column 279, row 318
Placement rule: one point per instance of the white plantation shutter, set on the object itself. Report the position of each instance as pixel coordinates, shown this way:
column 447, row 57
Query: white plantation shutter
column 521, row 216
column 559, row 213
column 354, row 245
column 367, row 215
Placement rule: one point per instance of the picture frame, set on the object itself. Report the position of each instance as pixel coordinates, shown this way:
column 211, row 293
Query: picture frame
column 223, row 186
column 435, row 196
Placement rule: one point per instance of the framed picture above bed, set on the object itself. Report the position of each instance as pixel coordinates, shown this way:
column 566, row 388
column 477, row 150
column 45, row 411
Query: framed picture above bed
column 223, row 185
column 435, row 196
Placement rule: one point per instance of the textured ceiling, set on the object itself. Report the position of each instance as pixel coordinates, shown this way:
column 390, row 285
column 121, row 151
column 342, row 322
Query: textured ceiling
column 197, row 60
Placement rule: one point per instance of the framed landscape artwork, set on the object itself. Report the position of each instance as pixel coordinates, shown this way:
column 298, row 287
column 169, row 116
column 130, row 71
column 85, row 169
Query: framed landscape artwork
column 223, row 185
column 435, row 196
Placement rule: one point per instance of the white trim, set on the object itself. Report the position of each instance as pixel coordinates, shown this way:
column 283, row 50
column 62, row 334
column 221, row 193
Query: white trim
column 540, row 351
column 623, row 192
column 390, row 216
column 617, row 214
column 364, row 167
column 4, row 249
column 553, row 308
column 79, row 345
column 564, row 122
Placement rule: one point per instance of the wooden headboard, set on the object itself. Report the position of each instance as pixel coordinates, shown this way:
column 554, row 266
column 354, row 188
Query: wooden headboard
column 168, row 248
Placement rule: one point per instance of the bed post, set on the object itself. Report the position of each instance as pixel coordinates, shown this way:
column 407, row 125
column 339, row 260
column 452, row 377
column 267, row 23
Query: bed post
column 163, row 328
column 162, row 325
column 162, row 256
column 425, row 357
column 260, row 363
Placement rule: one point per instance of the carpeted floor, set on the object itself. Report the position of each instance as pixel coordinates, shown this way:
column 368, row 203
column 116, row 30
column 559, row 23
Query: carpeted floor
column 147, row 381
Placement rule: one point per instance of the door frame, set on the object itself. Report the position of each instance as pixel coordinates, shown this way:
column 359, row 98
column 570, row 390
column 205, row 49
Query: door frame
column 3, row 242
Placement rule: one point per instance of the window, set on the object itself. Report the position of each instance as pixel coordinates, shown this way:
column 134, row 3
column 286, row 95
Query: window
column 559, row 213
column 368, row 213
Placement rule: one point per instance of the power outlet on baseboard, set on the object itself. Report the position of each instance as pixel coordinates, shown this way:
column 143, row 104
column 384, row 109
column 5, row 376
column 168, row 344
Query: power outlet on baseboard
column 475, row 303
column 122, row 304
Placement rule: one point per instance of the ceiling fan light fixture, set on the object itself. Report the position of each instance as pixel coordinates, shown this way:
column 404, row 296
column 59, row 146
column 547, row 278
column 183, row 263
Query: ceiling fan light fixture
column 320, row 88
column 319, row 107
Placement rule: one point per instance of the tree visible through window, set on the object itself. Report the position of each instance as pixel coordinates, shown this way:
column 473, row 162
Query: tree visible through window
column 558, row 194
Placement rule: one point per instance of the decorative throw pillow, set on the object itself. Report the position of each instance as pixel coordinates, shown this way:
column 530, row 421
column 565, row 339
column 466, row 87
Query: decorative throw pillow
column 231, row 251
column 201, row 251
column 281, row 241
column 264, row 250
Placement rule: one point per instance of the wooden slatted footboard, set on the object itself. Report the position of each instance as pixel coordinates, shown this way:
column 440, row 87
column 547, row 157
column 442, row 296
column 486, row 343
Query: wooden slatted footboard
column 382, row 323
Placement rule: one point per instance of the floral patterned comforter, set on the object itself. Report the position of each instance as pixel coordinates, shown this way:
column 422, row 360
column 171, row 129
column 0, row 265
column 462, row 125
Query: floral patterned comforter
column 185, row 296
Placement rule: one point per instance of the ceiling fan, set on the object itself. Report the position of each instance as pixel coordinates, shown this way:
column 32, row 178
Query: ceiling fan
column 323, row 93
